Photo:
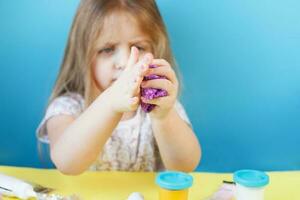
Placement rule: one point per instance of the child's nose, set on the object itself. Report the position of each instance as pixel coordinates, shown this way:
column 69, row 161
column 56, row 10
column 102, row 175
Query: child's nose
column 120, row 67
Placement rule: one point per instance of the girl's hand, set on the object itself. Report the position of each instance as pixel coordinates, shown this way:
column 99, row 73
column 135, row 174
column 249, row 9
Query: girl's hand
column 125, row 91
column 170, row 84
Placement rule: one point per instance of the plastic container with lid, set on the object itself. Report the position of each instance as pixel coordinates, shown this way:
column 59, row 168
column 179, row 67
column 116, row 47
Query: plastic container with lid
column 174, row 185
column 250, row 184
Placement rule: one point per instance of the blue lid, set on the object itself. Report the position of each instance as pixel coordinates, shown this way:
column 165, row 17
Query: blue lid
column 251, row 178
column 173, row 180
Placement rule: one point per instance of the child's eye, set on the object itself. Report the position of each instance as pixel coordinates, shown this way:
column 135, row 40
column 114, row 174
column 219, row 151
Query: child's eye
column 106, row 50
column 140, row 48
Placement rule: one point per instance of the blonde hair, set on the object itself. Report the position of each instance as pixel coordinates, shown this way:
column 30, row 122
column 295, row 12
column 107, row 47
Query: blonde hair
column 75, row 74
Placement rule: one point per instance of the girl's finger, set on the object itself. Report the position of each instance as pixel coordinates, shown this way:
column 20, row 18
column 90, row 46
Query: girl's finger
column 142, row 66
column 133, row 58
column 135, row 80
column 165, row 71
column 136, row 86
column 160, row 62
column 163, row 84
column 140, row 69
column 133, row 103
column 160, row 101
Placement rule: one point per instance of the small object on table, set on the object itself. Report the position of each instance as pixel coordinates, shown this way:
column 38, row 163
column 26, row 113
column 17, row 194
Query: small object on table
column 173, row 185
column 13, row 187
column 250, row 184
column 225, row 191
column 135, row 196
column 151, row 93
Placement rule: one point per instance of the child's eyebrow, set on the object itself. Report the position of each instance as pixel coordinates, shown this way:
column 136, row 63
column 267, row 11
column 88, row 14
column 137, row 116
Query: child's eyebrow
column 142, row 40
column 135, row 41
column 107, row 44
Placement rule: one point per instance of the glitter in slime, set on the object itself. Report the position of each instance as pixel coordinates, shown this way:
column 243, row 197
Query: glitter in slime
column 151, row 93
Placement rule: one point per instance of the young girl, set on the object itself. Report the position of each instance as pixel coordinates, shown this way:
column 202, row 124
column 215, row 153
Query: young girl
column 94, row 119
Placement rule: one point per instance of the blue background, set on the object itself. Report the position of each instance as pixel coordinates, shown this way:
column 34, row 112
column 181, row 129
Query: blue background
column 241, row 66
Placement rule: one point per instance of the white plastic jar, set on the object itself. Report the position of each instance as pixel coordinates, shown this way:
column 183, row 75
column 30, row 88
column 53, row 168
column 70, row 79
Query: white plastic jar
column 250, row 184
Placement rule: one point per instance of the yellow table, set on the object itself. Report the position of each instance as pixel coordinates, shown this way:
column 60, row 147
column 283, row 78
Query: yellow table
column 118, row 185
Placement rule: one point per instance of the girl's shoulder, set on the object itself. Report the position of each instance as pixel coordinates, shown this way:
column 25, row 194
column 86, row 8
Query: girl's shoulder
column 67, row 104
column 69, row 97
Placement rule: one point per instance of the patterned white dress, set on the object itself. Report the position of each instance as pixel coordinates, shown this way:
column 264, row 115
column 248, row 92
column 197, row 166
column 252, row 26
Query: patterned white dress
column 131, row 147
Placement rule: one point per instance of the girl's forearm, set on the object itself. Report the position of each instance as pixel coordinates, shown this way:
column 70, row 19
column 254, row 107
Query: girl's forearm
column 178, row 145
column 81, row 142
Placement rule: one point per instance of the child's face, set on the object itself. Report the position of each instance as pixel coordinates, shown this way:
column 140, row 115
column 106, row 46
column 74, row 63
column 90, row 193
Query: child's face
column 120, row 33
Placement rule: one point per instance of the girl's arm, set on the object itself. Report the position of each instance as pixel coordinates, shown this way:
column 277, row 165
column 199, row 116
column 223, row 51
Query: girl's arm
column 177, row 143
column 76, row 143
